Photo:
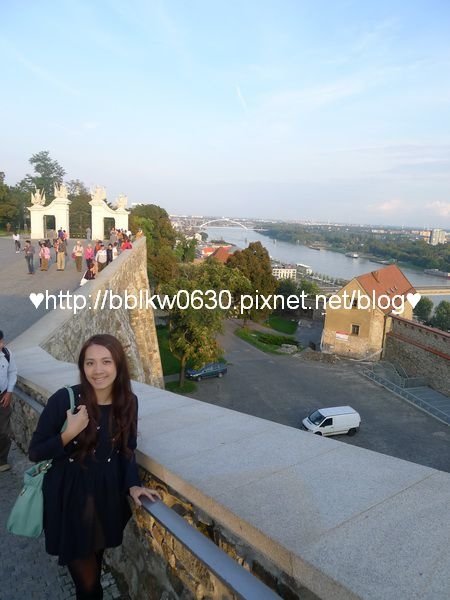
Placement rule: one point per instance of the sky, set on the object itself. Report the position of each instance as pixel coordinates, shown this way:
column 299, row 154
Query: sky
column 323, row 110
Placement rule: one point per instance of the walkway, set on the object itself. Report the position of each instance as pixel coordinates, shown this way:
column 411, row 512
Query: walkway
column 26, row 571
column 17, row 313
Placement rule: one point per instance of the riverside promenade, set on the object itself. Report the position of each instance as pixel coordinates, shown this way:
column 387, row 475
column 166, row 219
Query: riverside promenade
column 26, row 571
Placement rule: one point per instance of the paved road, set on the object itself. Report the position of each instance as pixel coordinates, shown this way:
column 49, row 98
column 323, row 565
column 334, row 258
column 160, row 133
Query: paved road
column 285, row 389
column 17, row 313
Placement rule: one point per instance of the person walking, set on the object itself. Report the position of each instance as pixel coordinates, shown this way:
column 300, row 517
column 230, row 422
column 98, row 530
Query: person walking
column 109, row 254
column 94, row 466
column 61, row 252
column 101, row 257
column 16, row 238
column 8, row 378
column 44, row 255
column 29, row 256
column 78, row 255
column 89, row 255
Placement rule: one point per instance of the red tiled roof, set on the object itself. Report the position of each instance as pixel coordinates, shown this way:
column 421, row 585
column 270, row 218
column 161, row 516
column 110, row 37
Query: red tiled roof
column 389, row 281
column 222, row 254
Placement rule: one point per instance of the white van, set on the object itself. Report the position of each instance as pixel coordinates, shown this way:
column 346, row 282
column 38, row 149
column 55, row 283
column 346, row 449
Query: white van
column 333, row 421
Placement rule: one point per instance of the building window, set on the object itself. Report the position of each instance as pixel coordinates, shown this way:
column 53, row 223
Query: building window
column 355, row 329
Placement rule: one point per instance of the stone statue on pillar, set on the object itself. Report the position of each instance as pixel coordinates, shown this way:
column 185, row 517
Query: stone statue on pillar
column 60, row 190
column 38, row 198
column 122, row 201
column 98, row 194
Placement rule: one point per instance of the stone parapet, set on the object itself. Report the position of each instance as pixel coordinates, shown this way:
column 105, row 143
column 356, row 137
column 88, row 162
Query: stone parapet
column 62, row 333
column 312, row 517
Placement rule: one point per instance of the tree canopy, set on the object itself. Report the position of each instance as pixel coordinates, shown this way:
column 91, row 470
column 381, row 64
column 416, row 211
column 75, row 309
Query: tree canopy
column 441, row 317
column 254, row 263
column 423, row 309
column 47, row 173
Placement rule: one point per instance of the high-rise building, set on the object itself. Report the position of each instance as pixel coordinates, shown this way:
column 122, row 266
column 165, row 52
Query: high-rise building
column 437, row 237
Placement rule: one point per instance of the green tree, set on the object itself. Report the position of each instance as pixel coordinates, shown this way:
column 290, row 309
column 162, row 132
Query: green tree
column 309, row 287
column 193, row 329
column 286, row 288
column 47, row 172
column 80, row 209
column 9, row 208
column 423, row 309
column 254, row 263
column 161, row 237
column 185, row 248
column 441, row 317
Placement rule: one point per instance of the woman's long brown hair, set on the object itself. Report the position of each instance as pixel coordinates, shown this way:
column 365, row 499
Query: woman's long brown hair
column 123, row 421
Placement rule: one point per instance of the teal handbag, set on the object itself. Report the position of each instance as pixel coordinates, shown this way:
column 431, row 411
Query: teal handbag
column 27, row 515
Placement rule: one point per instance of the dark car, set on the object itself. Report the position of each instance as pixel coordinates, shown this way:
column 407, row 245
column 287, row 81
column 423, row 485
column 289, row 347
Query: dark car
column 209, row 370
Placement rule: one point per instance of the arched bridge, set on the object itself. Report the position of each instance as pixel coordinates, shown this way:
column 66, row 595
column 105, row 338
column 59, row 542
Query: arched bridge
column 222, row 221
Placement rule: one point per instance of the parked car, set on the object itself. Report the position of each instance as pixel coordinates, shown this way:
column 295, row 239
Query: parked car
column 210, row 370
column 333, row 421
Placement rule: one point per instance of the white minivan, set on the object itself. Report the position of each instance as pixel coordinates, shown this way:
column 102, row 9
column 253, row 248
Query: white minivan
column 333, row 421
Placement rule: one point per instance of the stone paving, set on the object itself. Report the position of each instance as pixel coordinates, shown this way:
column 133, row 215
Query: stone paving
column 26, row 571
column 17, row 313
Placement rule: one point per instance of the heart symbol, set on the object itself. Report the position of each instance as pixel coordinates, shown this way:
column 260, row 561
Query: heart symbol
column 413, row 299
column 36, row 299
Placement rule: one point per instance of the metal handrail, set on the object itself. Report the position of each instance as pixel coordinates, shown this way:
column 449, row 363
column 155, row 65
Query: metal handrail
column 237, row 579
column 408, row 396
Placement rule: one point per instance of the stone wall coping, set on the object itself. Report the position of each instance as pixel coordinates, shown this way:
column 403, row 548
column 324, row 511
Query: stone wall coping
column 421, row 327
column 346, row 522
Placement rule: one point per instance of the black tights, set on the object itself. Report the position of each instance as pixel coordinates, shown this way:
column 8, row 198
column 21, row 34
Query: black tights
column 86, row 574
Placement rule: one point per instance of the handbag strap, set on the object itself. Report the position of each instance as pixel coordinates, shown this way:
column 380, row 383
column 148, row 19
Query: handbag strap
column 71, row 397
column 72, row 405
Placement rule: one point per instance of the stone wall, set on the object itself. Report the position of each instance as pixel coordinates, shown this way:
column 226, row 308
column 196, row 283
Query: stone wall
column 134, row 327
column 150, row 555
column 421, row 351
column 153, row 563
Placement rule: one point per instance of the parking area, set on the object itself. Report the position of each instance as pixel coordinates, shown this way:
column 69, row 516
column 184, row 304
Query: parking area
column 285, row 389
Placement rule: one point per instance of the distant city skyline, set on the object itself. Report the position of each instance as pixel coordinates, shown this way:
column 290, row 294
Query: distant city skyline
column 295, row 110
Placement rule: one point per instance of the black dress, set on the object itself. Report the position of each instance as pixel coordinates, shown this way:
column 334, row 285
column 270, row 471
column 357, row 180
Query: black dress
column 85, row 504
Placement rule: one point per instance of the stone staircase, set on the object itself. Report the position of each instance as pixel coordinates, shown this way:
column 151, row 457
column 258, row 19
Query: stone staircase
column 412, row 389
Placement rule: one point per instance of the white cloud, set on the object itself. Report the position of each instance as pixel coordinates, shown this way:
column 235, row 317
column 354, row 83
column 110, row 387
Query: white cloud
column 387, row 207
column 440, row 208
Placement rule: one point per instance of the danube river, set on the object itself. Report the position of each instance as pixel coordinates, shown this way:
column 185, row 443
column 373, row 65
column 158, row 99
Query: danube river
column 325, row 262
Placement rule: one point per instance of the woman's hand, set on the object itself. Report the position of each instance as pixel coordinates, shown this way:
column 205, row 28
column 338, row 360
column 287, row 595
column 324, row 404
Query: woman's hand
column 77, row 422
column 135, row 491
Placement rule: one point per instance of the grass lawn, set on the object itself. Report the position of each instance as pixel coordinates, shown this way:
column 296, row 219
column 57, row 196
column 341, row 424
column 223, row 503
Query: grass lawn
column 282, row 324
column 170, row 364
column 186, row 388
column 266, row 342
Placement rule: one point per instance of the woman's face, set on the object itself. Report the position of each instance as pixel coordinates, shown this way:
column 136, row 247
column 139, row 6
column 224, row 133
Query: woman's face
column 99, row 368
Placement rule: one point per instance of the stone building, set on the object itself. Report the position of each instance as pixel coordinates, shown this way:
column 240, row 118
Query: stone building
column 359, row 315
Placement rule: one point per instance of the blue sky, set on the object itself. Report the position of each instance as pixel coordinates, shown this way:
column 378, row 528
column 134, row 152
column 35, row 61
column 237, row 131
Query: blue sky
column 322, row 110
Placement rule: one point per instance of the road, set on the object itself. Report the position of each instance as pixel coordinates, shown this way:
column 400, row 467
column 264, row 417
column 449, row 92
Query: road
column 285, row 389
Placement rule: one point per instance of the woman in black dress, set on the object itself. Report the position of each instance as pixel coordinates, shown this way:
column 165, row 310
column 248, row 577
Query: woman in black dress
column 94, row 467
